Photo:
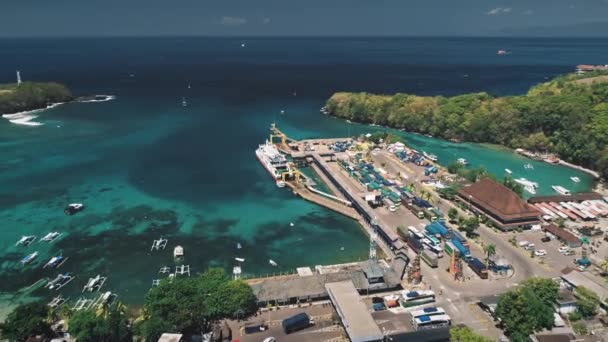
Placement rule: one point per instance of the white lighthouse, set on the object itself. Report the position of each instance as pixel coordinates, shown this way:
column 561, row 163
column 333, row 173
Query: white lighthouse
column 18, row 77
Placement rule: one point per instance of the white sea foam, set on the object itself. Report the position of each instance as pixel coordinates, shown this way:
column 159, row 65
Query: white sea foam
column 26, row 117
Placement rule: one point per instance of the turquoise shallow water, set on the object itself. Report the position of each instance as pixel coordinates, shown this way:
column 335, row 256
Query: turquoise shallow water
column 146, row 167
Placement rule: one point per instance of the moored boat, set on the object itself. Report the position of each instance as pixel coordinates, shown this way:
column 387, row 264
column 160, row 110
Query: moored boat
column 575, row 179
column 50, row 237
column 272, row 262
column 430, row 157
column 29, row 258
column 509, row 171
column 561, row 190
column 73, row 208
column 26, row 240
column 530, row 189
column 239, row 259
column 178, row 252
column 280, row 184
column 529, row 166
column 273, row 161
column 462, row 161
column 55, row 262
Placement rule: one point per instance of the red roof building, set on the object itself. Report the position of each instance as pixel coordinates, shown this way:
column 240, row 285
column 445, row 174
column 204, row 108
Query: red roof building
column 501, row 205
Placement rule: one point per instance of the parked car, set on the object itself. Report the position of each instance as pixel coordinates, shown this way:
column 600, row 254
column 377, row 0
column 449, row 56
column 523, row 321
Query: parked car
column 270, row 339
column 545, row 239
column 563, row 249
column 540, row 252
column 569, row 252
column 523, row 243
column 529, row 247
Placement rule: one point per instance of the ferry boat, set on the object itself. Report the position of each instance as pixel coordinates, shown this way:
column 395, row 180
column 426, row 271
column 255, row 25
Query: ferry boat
column 50, row 237
column 526, row 182
column 272, row 160
column 73, row 208
column 431, row 157
column 29, row 258
column 561, row 190
column 575, row 179
column 26, row 240
column 509, row 171
column 462, row 161
column 530, row 189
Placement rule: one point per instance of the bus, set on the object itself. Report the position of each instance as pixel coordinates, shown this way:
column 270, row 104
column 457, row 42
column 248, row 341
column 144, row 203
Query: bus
column 433, row 239
column 430, row 322
column 415, row 233
column 432, row 311
column 435, row 249
column 416, row 298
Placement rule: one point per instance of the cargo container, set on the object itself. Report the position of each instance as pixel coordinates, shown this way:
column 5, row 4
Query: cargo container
column 296, row 322
column 449, row 248
column 461, row 249
column 429, row 257
column 478, row 267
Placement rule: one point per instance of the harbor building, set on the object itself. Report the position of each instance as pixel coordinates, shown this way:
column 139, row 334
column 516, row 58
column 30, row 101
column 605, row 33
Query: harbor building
column 498, row 203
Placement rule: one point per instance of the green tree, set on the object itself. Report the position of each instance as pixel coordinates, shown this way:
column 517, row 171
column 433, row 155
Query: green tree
column 580, row 328
column 26, row 320
column 528, row 308
column 490, row 251
column 108, row 325
column 452, row 214
column 510, row 183
column 465, row 334
column 587, row 301
column 470, row 225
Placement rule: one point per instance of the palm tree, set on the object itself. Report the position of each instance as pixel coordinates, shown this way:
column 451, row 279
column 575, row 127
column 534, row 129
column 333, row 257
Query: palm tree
column 490, row 250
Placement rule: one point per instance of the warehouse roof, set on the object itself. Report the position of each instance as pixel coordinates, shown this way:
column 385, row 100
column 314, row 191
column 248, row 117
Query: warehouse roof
column 498, row 200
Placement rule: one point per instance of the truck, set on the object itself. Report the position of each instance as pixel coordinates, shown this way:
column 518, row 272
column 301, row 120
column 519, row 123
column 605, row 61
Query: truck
column 429, row 257
column 449, row 248
column 296, row 322
column 414, row 244
column 461, row 248
column 478, row 267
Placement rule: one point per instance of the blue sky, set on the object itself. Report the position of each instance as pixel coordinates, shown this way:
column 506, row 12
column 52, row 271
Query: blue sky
column 297, row 17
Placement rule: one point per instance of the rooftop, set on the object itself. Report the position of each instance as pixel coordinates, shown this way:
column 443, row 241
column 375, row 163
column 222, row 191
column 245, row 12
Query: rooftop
column 578, row 279
column 357, row 320
column 498, row 200
column 583, row 196
column 561, row 233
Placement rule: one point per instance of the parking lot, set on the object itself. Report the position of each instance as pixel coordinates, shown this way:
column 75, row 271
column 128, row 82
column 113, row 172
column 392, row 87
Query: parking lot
column 553, row 259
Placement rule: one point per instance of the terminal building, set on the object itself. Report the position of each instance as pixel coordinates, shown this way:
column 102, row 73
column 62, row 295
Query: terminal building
column 498, row 203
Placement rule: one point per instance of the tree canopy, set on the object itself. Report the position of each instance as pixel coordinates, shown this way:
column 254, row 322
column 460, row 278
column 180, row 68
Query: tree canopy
column 528, row 308
column 190, row 305
column 562, row 116
column 110, row 325
column 465, row 334
column 31, row 95
column 587, row 301
column 26, row 320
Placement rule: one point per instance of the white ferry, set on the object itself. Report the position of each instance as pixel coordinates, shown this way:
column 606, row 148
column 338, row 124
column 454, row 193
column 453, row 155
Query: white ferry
column 272, row 160
column 561, row 190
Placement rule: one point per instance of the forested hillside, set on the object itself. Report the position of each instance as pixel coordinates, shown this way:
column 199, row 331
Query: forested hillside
column 567, row 115
column 31, row 95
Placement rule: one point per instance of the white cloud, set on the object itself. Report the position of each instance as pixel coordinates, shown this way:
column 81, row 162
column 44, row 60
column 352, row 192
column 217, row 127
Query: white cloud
column 499, row 10
column 266, row 21
column 233, row 21
column 528, row 12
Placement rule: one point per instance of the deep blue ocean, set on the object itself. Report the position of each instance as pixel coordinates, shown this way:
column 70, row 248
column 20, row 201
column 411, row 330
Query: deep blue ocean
column 147, row 167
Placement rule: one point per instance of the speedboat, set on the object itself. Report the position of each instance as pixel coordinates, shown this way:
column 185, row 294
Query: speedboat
column 501, row 52
column 73, row 208
column 239, row 259
column 509, row 171
column 29, row 258
column 431, row 157
column 291, row 224
column 561, row 190
column 272, row 262
column 462, row 161
column 54, row 262
column 184, row 103
column 575, row 179
column 26, row 240
column 178, row 252
column 50, row 237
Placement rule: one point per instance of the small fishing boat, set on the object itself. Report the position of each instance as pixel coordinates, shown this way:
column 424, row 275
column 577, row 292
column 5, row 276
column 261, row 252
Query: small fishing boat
column 575, row 179
column 501, row 52
column 238, row 245
column 272, row 262
column 159, row 244
column 291, row 224
column 55, row 262
column 184, row 103
column 94, row 284
column 178, row 252
column 26, row 240
column 529, row 166
column 430, row 157
column 239, row 259
column 29, row 258
column 50, row 237
column 73, row 208
column 462, row 161
column 60, row 281
column 509, row 171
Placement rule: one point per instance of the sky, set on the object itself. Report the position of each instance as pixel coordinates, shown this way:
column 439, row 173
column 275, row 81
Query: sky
column 31, row 18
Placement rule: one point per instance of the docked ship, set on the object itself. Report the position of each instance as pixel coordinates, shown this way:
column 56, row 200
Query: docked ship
column 431, row 157
column 273, row 161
